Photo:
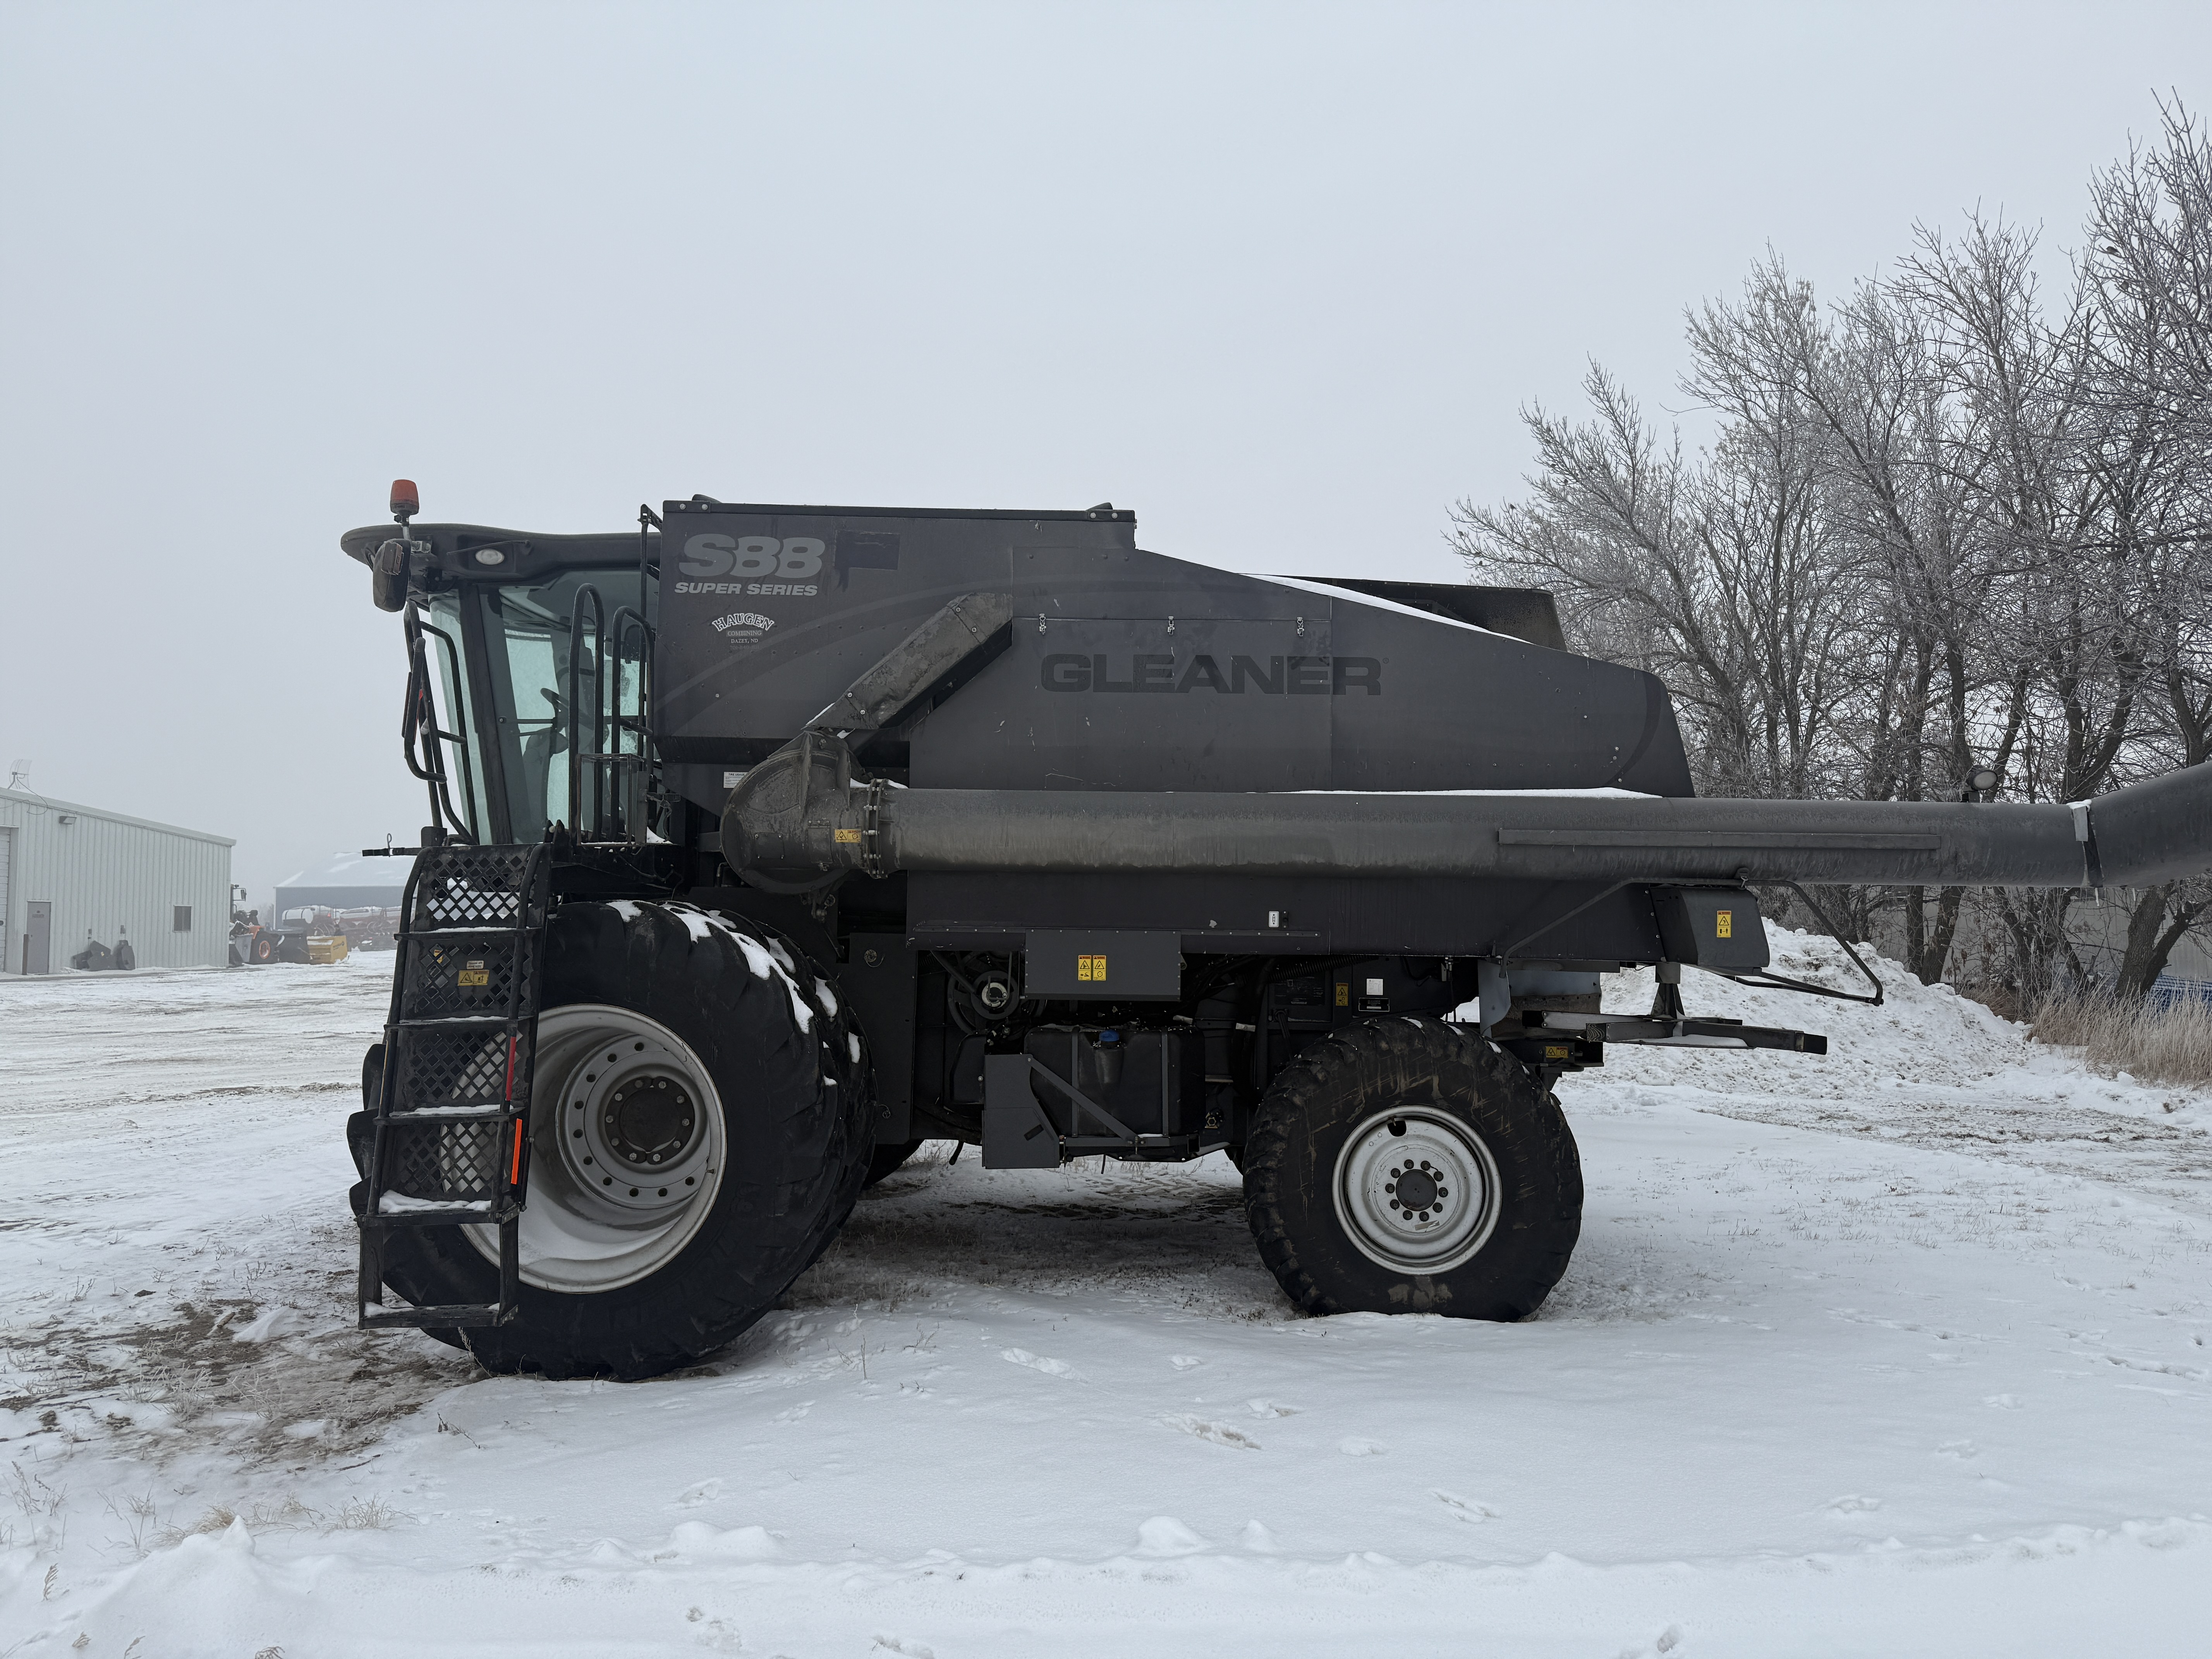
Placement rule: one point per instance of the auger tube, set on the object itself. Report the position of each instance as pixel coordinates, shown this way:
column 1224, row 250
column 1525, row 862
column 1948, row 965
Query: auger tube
column 807, row 811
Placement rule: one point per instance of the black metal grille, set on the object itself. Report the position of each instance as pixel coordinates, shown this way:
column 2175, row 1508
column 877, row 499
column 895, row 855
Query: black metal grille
column 472, row 887
column 461, row 1068
column 451, row 976
column 444, row 1163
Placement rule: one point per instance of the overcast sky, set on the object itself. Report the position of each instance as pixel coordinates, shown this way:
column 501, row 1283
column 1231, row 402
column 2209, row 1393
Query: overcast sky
column 1280, row 277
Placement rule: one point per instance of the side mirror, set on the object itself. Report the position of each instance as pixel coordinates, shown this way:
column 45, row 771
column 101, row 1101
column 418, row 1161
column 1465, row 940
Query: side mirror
column 387, row 576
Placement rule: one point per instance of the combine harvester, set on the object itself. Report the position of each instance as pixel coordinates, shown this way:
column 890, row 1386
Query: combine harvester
column 768, row 841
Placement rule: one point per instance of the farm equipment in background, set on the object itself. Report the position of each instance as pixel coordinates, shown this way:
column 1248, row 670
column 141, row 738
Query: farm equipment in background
column 311, row 933
column 299, row 930
column 769, row 840
column 246, row 934
column 368, row 926
column 98, row 959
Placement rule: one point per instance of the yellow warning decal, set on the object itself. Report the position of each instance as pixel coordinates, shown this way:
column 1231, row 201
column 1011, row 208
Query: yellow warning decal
column 473, row 977
column 1557, row 1051
column 848, row 838
column 1723, row 924
column 1343, row 995
column 1090, row 970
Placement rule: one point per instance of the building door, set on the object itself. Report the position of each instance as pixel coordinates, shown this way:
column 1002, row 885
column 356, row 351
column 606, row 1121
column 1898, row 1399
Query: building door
column 39, row 924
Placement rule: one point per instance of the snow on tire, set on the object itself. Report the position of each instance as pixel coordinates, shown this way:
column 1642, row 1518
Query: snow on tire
column 1410, row 1166
column 701, row 1122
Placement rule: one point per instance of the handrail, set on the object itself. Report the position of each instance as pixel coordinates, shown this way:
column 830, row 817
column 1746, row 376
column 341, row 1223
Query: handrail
column 638, row 725
column 419, row 720
column 576, row 750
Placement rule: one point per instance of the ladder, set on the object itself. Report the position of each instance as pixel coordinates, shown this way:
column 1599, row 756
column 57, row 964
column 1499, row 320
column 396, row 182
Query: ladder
column 451, row 1118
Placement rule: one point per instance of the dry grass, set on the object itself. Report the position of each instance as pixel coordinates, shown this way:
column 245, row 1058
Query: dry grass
column 354, row 1514
column 2151, row 1044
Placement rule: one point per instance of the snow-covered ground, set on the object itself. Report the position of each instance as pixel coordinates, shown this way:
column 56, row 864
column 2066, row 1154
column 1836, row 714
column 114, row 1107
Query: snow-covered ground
column 1899, row 1352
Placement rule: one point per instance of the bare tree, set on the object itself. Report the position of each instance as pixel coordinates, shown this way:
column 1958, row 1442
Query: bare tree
column 1952, row 521
column 1766, row 512
column 1906, row 518
column 2017, row 443
column 2148, row 262
column 1711, row 571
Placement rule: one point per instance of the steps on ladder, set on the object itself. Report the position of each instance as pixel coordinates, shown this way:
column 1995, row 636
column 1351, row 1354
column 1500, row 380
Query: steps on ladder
column 452, row 1123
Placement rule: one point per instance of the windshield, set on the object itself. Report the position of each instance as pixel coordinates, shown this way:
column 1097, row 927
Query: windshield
column 525, row 637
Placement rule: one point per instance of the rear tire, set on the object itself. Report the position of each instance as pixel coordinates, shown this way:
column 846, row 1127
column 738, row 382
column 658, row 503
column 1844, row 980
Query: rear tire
column 1410, row 1166
column 745, row 1074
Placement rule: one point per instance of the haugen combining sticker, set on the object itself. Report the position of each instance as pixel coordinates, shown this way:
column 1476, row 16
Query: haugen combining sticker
column 743, row 628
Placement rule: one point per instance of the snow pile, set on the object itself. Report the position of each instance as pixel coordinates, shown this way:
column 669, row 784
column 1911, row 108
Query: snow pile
column 1921, row 1034
column 1919, row 1065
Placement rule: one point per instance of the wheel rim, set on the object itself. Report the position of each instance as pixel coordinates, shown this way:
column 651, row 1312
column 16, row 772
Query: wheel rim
column 1417, row 1190
column 626, row 1151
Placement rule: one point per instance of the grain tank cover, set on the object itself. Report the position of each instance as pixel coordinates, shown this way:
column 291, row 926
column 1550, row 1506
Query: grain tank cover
column 1122, row 669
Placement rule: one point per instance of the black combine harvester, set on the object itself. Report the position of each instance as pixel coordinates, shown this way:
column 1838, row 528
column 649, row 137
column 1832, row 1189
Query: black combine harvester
column 769, row 841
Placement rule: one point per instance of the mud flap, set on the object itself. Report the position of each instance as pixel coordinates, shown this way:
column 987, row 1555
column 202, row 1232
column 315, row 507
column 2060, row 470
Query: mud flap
column 1016, row 1132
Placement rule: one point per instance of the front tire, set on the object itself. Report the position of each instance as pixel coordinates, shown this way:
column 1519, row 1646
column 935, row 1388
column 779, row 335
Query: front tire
column 700, row 1127
column 1410, row 1166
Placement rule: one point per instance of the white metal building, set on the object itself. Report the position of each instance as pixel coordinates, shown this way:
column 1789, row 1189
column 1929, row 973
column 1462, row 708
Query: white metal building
column 68, row 873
